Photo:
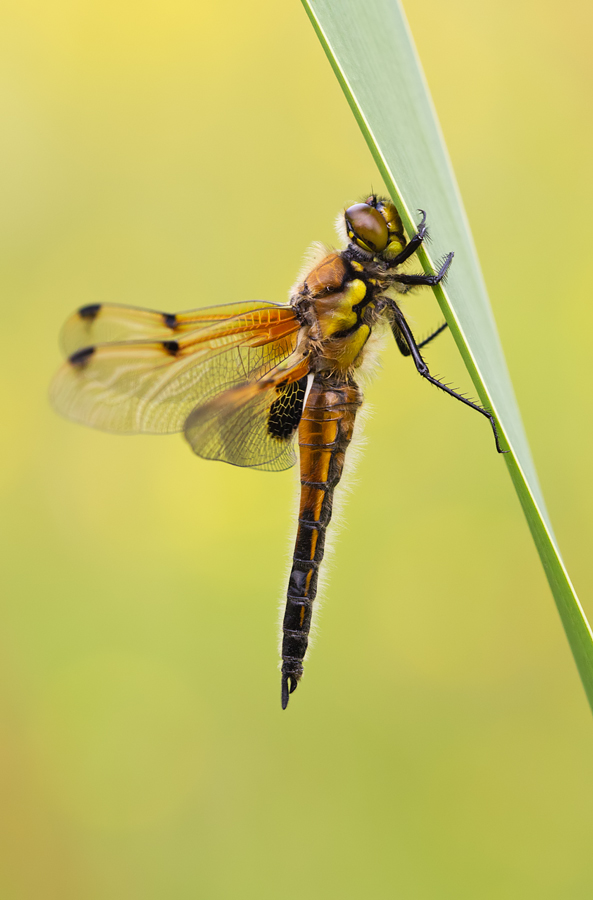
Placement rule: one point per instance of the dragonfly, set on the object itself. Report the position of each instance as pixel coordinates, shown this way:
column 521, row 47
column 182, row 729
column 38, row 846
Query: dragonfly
column 246, row 381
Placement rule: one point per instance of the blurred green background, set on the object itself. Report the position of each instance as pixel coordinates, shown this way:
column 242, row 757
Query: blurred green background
column 177, row 154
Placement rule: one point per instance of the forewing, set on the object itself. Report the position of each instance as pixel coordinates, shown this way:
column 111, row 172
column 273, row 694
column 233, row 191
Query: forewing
column 102, row 323
column 253, row 424
column 150, row 386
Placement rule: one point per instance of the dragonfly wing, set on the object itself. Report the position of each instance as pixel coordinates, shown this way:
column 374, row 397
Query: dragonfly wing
column 101, row 323
column 253, row 424
column 151, row 386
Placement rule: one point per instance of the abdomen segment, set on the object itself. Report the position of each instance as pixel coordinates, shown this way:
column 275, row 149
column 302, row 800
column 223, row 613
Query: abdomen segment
column 325, row 430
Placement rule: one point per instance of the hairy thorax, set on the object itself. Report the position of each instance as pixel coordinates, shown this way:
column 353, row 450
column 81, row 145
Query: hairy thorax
column 339, row 302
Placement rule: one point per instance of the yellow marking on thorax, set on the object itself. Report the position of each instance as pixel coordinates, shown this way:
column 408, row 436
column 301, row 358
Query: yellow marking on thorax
column 335, row 312
column 354, row 345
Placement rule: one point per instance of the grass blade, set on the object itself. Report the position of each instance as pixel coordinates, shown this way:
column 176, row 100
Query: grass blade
column 371, row 50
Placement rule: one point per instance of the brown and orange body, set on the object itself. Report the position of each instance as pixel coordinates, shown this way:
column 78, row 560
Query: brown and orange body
column 339, row 301
column 241, row 380
column 325, row 430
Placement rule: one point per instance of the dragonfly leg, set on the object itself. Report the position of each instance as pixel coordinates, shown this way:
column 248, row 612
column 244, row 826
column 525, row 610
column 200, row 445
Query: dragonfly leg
column 432, row 336
column 405, row 332
column 403, row 347
column 412, row 244
column 425, row 279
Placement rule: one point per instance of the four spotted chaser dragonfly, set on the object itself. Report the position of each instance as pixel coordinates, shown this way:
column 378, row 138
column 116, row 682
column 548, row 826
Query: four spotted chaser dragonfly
column 243, row 380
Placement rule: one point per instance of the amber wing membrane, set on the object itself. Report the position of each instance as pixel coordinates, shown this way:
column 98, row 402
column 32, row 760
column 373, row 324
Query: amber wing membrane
column 240, row 425
column 101, row 323
column 152, row 385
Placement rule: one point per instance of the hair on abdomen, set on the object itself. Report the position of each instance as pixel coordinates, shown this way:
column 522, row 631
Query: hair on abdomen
column 346, row 484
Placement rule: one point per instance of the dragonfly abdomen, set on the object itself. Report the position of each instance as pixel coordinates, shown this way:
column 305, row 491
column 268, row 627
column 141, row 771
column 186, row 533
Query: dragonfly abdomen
column 325, row 430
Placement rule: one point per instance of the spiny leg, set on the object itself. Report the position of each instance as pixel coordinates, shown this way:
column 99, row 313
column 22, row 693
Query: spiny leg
column 425, row 279
column 403, row 347
column 432, row 336
column 422, row 368
column 412, row 245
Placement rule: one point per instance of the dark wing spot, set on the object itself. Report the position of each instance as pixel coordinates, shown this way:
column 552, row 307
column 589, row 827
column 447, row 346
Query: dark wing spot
column 89, row 312
column 170, row 320
column 80, row 359
column 287, row 409
column 171, row 347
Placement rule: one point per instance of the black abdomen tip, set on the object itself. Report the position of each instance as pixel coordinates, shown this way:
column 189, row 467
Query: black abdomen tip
column 284, row 692
column 289, row 685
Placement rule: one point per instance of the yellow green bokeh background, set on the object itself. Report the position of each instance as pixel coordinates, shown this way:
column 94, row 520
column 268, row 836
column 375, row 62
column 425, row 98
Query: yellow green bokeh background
column 177, row 154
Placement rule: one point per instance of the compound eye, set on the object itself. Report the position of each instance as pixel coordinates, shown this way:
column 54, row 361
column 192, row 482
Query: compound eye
column 367, row 227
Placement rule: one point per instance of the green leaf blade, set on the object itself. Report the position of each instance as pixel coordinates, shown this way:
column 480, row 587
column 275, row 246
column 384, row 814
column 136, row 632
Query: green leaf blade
column 371, row 50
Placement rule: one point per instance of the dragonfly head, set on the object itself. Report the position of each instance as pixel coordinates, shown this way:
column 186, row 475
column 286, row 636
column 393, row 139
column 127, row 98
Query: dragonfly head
column 375, row 226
